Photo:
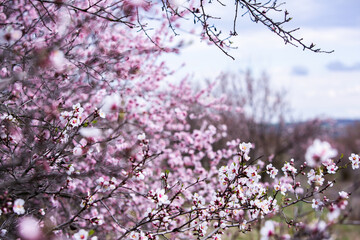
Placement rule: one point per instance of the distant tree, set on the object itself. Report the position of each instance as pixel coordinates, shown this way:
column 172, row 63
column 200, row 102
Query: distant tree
column 258, row 111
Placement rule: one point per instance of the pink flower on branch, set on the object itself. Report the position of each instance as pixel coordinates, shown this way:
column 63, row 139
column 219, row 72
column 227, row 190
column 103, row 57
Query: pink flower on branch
column 319, row 152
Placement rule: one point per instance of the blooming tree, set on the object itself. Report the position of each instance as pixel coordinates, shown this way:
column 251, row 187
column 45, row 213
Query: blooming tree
column 95, row 144
column 257, row 106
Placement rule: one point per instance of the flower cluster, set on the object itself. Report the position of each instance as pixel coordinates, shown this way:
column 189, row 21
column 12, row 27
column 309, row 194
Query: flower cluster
column 289, row 169
column 103, row 185
column 89, row 200
column 355, row 161
column 245, row 149
column 271, row 170
column 330, row 166
column 315, row 178
column 95, row 140
column 159, row 197
column 73, row 118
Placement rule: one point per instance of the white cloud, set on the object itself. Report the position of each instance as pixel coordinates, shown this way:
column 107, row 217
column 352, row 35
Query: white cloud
column 320, row 92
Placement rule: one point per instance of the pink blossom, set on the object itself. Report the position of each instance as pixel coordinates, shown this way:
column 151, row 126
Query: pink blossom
column 111, row 104
column 344, row 195
column 29, row 228
column 316, row 204
column 77, row 151
column 288, row 169
column 319, row 152
column 162, row 197
column 268, row 230
column 272, row 171
column 58, row 60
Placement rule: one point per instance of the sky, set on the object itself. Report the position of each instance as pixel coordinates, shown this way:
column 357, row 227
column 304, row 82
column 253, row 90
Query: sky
column 318, row 84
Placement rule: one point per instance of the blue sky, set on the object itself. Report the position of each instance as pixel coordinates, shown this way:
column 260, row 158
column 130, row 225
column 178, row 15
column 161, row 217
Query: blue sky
column 318, row 85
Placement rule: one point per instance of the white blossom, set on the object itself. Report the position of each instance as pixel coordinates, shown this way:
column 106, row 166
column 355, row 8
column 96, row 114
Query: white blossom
column 81, row 235
column 18, row 206
column 319, row 152
column 141, row 137
column 162, row 197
